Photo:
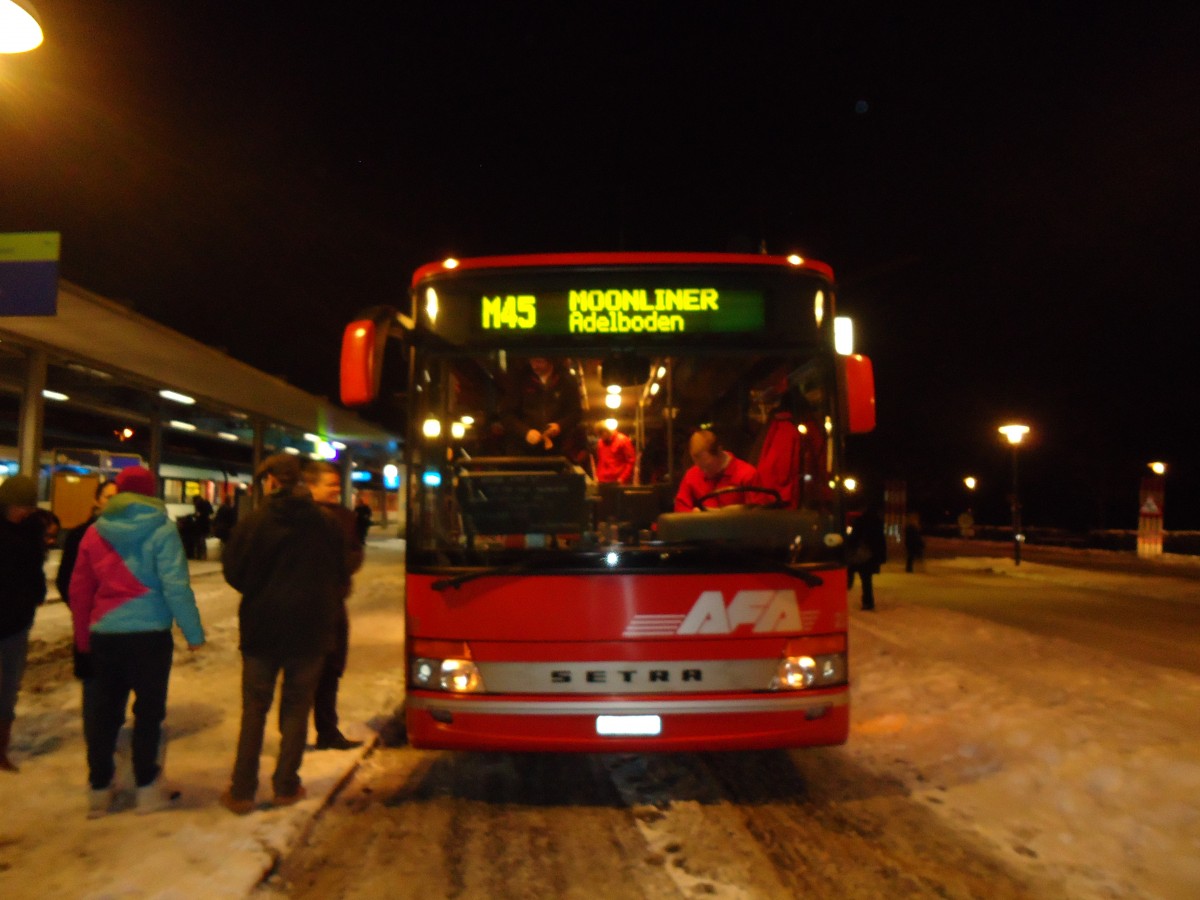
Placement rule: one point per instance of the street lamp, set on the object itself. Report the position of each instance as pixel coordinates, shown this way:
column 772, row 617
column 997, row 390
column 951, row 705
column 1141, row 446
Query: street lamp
column 1015, row 433
column 970, row 482
column 19, row 27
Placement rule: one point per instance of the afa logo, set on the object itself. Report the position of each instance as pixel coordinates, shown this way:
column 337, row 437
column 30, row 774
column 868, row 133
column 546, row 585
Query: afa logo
column 755, row 612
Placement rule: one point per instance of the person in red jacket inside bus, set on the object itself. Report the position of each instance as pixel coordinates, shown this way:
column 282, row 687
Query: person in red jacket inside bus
column 714, row 468
column 615, row 456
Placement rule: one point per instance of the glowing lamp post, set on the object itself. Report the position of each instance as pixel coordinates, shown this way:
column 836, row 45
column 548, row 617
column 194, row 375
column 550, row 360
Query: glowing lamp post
column 1015, row 434
column 19, row 27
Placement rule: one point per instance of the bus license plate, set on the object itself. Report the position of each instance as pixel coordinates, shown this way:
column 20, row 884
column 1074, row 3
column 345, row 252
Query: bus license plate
column 620, row 726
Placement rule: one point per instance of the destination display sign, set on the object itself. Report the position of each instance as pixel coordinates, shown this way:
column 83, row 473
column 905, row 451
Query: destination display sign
column 678, row 309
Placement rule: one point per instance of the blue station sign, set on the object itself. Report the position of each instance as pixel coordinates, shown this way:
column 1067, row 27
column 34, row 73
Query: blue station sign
column 29, row 273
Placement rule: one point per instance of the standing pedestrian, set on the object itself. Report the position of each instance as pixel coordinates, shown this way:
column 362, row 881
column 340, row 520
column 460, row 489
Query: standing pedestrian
column 866, row 552
column 914, row 544
column 105, row 491
column 287, row 559
column 202, row 526
column 324, row 482
column 129, row 586
column 615, row 455
column 362, row 516
column 22, row 591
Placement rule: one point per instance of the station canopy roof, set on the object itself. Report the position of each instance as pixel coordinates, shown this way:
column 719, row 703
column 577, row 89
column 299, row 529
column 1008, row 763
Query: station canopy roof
column 110, row 360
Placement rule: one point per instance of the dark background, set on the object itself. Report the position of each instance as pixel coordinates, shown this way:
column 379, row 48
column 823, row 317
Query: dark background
column 1008, row 196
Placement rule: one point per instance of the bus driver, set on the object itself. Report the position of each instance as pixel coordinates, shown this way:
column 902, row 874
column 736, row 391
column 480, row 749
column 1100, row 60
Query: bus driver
column 714, row 468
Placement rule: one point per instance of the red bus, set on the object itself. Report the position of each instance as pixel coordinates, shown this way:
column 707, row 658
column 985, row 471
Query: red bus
column 547, row 611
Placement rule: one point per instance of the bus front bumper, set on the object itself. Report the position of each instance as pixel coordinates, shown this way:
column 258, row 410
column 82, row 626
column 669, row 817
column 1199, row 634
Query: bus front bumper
column 605, row 724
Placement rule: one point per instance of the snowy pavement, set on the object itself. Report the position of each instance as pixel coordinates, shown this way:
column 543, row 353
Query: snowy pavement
column 1079, row 766
column 199, row 849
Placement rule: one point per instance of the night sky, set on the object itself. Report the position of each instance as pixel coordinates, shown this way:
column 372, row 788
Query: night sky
column 1009, row 197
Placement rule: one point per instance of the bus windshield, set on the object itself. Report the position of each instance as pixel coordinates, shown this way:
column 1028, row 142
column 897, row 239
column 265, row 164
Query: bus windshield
column 562, row 457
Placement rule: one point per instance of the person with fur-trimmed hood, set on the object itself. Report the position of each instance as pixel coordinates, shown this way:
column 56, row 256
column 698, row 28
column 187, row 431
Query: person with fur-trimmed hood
column 129, row 586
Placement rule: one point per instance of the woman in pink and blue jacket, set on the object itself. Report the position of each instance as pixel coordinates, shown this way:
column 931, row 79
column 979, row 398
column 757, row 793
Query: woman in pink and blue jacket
column 130, row 585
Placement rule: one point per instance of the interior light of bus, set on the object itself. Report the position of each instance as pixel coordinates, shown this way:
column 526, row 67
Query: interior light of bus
column 337, row 445
column 843, row 335
column 177, row 397
column 613, row 389
column 227, row 436
column 431, row 428
column 828, row 425
column 182, row 426
column 431, row 478
column 458, row 430
column 662, row 370
column 802, row 428
column 613, row 401
column 467, row 420
column 819, row 307
column 654, row 389
column 796, row 260
column 610, row 424
column 54, row 395
column 431, row 304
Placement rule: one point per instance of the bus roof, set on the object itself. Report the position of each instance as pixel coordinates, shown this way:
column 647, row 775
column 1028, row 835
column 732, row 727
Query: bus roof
column 617, row 259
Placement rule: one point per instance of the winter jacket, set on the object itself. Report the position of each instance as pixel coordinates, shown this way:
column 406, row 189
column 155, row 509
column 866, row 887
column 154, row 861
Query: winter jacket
column 131, row 574
column 615, row 458
column 696, row 484
column 22, row 578
column 288, row 561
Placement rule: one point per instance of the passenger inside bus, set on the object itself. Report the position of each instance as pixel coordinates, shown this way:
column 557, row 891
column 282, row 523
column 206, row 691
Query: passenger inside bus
column 541, row 409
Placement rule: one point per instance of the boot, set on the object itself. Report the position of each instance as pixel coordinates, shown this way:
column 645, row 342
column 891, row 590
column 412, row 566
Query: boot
column 99, row 801
column 336, row 741
column 6, row 764
column 155, row 796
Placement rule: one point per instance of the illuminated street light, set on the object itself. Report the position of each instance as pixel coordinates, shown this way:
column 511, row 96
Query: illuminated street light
column 1015, row 433
column 970, row 482
column 19, row 27
column 1158, row 468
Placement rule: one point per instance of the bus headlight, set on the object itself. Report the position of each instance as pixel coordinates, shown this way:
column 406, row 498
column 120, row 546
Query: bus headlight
column 457, row 676
column 796, row 673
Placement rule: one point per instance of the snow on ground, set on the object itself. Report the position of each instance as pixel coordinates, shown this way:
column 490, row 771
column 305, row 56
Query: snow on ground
column 1073, row 763
column 1078, row 765
column 49, row 848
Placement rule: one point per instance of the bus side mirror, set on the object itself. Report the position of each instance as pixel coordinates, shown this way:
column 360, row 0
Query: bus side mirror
column 859, row 384
column 362, row 355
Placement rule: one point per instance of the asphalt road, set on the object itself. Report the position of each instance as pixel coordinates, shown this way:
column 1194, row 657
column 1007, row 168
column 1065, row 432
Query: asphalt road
column 1146, row 609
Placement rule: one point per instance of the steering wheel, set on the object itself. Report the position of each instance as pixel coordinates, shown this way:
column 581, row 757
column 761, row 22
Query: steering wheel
column 740, row 489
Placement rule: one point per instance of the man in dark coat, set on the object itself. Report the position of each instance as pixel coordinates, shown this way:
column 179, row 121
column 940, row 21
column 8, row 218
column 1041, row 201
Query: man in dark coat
column 325, row 484
column 866, row 552
column 22, row 591
column 541, row 410
column 287, row 559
